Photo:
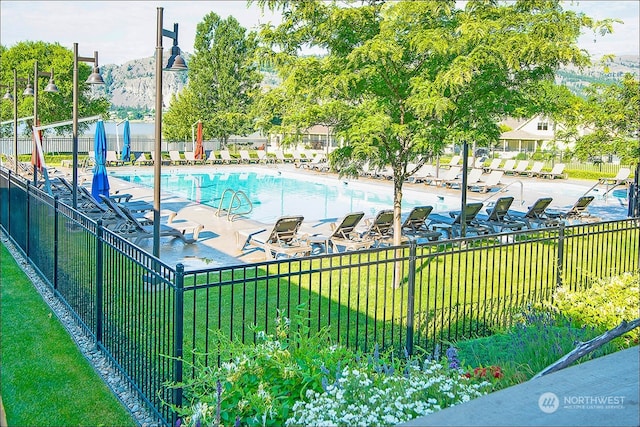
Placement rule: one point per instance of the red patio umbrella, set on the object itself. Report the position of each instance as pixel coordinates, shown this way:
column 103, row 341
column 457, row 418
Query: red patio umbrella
column 199, row 151
column 35, row 158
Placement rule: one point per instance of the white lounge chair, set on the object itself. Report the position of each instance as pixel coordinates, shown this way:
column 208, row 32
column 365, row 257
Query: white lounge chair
column 521, row 169
column 112, row 159
column 492, row 181
column 556, row 172
column 620, row 178
column 226, row 157
column 175, row 157
column 536, row 169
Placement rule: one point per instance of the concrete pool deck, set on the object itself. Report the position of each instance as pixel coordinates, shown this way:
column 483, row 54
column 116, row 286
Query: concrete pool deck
column 217, row 246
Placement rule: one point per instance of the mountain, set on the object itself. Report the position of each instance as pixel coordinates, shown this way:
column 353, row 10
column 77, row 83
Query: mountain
column 133, row 85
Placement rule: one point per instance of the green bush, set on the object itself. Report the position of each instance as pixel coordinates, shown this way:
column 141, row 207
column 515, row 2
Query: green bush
column 604, row 305
column 294, row 378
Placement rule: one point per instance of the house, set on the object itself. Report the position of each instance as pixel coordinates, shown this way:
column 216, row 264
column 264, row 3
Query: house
column 528, row 135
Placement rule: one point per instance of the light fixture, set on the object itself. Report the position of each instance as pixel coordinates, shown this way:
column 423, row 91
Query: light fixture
column 8, row 95
column 94, row 78
column 51, row 87
column 29, row 90
column 175, row 61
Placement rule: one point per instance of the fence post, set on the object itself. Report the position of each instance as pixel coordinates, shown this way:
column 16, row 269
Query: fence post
column 178, row 335
column 560, row 259
column 99, row 273
column 55, row 242
column 411, row 291
column 28, row 221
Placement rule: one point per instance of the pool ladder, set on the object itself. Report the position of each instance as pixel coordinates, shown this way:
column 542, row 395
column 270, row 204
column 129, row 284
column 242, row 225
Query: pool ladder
column 234, row 203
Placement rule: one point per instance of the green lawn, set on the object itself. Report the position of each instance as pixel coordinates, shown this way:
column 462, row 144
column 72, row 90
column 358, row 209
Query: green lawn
column 45, row 380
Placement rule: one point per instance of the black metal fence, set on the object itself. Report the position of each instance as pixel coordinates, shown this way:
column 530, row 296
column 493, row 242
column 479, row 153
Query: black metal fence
column 147, row 317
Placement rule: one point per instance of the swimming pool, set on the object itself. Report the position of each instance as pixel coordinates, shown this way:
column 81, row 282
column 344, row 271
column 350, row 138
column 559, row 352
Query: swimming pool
column 275, row 193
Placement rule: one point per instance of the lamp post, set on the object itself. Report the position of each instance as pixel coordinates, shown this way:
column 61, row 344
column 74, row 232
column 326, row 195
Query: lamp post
column 52, row 88
column 174, row 63
column 94, row 78
column 14, row 99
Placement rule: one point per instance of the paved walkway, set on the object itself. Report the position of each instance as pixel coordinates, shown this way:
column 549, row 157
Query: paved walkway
column 600, row 392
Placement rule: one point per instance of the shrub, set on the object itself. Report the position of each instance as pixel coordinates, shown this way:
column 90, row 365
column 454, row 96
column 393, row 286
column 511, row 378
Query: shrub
column 295, row 378
column 604, row 305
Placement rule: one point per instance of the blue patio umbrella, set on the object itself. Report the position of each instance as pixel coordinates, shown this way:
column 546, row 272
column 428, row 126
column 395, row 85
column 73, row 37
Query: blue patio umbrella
column 126, row 147
column 100, row 182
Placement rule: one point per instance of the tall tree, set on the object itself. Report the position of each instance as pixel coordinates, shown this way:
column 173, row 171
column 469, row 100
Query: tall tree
column 51, row 107
column 223, row 77
column 414, row 76
column 612, row 113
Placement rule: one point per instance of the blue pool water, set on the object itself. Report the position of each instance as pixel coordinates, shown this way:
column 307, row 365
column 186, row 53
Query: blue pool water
column 276, row 194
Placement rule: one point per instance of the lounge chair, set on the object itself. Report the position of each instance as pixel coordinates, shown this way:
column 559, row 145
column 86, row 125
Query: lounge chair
column 497, row 217
column 453, row 226
column 421, row 175
column 280, row 157
column 112, row 159
column 508, row 166
column 132, row 228
column 226, row 157
column 494, row 165
column 556, row 172
column 282, row 239
column 344, row 235
column 492, row 182
column 473, row 177
column 263, row 157
column 175, row 158
column 142, row 159
column 415, row 226
column 190, row 158
column 620, row 178
column 536, row 215
column 521, row 168
column 212, row 158
column 536, row 169
column 381, row 228
column 449, row 176
column 454, row 161
column 319, row 163
column 245, row 157
column 577, row 212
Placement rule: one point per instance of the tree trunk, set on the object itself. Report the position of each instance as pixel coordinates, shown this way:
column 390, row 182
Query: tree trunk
column 585, row 348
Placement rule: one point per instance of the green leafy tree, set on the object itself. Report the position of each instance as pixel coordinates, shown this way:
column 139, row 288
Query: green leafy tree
column 612, row 113
column 51, row 107
column 223, row 80
column 403, row 79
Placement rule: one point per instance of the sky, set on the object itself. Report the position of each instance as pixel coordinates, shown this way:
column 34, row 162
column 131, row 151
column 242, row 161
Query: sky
column 125, row 30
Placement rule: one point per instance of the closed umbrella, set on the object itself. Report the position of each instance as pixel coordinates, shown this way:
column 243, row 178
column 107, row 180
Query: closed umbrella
column 100, row 182
column 199, row 151
column 126, row 147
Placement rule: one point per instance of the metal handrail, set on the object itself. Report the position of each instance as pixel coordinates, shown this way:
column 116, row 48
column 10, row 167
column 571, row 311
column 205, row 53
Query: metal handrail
column 239, row 199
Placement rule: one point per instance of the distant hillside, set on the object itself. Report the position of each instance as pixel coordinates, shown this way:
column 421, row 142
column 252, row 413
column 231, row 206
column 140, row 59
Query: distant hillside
column 132, row 84
column 576, row 80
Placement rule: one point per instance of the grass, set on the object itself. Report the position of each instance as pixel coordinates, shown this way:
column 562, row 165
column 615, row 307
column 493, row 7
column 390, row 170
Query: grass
column 527, row 348
column 45, row 380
